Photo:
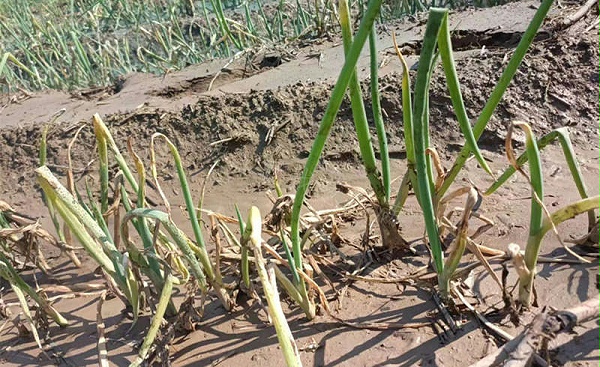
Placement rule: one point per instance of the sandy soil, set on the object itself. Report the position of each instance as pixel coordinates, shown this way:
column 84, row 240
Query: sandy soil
column 556, row 86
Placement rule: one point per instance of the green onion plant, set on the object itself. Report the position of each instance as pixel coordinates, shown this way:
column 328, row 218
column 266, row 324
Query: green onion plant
column 540, row 221
column 167, row 256
column 420, row 175
column 252, row 237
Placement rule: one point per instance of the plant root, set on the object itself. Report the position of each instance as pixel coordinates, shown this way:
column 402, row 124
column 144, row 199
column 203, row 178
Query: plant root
column 520, row 351
column 583, row 10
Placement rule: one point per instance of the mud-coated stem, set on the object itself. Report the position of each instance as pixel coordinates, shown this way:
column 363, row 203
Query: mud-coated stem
column 534, row 240
column 267, row 278
column 559, row 216
column 165, row 297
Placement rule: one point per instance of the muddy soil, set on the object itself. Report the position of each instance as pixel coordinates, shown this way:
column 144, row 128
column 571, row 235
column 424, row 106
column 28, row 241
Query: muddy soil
column 260, row 118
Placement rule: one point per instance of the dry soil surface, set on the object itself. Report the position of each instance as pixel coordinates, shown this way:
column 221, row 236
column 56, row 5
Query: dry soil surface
column 286, row 90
